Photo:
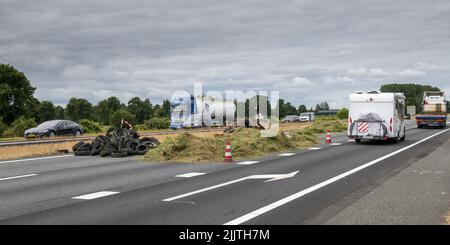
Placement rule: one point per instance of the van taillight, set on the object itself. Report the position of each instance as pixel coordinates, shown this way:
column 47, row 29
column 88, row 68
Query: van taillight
column 350, row 120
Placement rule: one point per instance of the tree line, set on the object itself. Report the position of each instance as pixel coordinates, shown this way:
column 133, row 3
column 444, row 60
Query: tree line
column 20, row 109
column 413, row 93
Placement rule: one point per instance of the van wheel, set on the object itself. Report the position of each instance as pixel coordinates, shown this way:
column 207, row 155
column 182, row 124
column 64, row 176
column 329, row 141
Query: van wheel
column 358, row 140
column 404, row 135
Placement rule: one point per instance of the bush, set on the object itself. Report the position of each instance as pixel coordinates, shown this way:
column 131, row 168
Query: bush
column 117, row 116
column 18, row 127
column 343, row 113
column 90, row 126
column 157, row 123
column 3, row 126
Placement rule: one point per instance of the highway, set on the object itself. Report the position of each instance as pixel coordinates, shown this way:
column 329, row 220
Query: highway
column 309, row 186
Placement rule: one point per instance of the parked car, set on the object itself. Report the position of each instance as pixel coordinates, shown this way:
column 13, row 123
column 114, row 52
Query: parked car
column 55, row 128
column 290, row 118
column 307, row 117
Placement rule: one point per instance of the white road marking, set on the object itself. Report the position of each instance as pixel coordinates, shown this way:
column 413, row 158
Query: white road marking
column 189, row 175
column 271, row 177
column 336, row 144
column 247, row 162
column 286, row 154
column 314, row 148
column 299, row 194
column 350, row 140
column 95, row 195
column 34, row 159
column 18, row 177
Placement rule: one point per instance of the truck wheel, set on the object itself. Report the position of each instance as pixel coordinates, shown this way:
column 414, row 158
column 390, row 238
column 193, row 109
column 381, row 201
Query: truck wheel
column 358, row 140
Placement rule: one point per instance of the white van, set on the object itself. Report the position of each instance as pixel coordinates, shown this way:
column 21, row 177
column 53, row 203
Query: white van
column 376, row 116
column 306, row 117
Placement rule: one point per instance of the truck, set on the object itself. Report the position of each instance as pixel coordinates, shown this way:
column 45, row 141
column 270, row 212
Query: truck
column 434, row 107
column 191, row 111
column 377, row 116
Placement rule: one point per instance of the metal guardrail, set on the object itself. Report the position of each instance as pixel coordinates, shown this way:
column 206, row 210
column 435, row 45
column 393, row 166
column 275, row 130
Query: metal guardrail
column 49, row 141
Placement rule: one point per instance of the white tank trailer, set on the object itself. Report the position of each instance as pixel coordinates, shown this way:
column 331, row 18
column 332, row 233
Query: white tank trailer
column 187, row 112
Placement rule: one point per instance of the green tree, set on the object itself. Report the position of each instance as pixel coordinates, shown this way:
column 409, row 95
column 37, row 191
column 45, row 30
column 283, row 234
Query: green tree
column 282, row 110
column 3, row 126
column 117, row 117
column 15, row 93
column 47, row 111
column 78, row 109
column 290, row 110
column 106, row 108
column 18, row 127
column 318, row 108
column 302, row 108
column 413, row 92
column 142, row 110
column 343, row 113
column 59, row 112
column 324, row 105
column 166, row 108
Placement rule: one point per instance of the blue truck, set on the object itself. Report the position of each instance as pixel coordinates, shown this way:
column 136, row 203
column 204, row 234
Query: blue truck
column 434, row 113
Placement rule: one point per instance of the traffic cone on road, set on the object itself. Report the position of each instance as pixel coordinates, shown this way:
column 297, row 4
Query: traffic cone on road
column 228, row 157
column 328, row 137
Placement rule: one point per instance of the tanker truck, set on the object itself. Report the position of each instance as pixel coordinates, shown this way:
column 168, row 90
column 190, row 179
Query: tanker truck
column 191, row 111
column 434, row 107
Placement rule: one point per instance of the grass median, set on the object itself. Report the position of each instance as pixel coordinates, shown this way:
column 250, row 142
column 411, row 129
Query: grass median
column 246, row 142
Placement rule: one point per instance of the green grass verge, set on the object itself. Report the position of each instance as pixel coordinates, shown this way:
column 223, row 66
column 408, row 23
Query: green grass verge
column 246, row 143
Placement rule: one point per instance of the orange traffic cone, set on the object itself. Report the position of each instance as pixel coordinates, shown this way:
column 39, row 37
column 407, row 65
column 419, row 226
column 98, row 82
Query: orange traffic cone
column 228, row 157
column 328, row 138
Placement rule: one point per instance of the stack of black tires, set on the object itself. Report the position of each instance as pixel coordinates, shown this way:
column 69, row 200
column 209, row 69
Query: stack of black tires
column 118, row 142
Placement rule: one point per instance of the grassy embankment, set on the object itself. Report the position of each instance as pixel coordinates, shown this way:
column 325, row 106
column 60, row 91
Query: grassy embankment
column 45, row 149
column 246, row 142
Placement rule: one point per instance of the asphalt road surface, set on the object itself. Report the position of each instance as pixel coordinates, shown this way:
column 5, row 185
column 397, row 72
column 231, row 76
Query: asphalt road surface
column 310, row 186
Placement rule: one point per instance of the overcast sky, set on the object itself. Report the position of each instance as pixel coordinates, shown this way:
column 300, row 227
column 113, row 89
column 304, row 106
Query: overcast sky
column 308, row 50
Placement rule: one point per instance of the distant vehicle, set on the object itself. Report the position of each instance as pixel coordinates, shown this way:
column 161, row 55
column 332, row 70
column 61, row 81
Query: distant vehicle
column 186, row 112
column 290, row 118
column 407, row 116
column 307, row 117
column 434, row 110
column 377, row 116
column 54, row 128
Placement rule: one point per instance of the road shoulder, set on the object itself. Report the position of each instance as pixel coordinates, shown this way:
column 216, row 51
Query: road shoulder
column 420, row 194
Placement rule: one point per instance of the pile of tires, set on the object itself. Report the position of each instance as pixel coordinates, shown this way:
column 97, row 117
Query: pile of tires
column 118, row 142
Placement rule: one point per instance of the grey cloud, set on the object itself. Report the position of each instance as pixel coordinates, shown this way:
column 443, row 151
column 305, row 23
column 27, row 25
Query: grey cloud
column 95, row 49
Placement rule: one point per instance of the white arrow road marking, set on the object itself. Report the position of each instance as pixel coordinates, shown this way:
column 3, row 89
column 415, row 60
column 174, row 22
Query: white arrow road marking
column 299, row 194
column 189, row 175
column 287, row 154
column 95, row 195
column 18, row 177
column 271, row 177
column 247, row 162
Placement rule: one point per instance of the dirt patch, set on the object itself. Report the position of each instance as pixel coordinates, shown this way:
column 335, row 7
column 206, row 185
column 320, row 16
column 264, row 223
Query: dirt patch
column 23, row 151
